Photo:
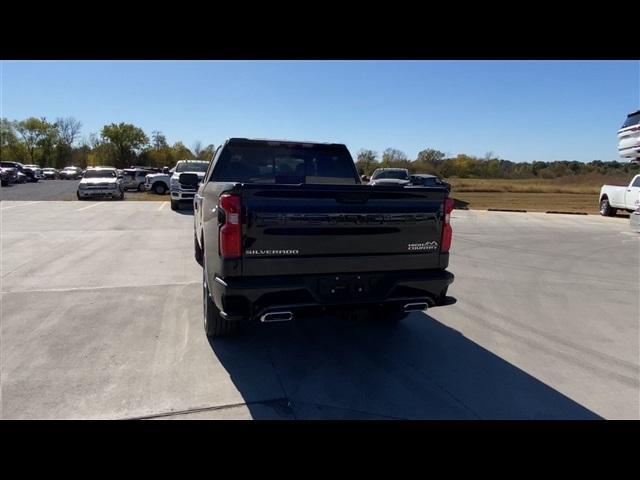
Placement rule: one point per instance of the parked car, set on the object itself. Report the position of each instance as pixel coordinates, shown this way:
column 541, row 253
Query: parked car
column 70, row 173
column 614, row 198
column 100, row 182
column 23, row 173
column 143, row 167
column 37, row 172
column 9, row 173
column 159, row 182
column 428, row 180
column 282, row 228
column 5, row 177
column 182, row 187
column 629, row 137
column 50, row 173
column 390, row 176
column 133, row 178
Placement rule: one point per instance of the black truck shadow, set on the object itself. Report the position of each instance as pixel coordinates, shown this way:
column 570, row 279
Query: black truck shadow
column 332, row 368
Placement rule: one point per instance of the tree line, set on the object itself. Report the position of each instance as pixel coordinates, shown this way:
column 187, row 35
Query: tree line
column 58, row 144
column 466, row 166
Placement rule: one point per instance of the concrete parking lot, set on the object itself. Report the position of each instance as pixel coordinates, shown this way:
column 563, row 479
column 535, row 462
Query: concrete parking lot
column 101, row 311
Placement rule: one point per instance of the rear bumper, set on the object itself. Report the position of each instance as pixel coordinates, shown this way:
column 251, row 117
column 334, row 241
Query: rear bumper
column 251, row 297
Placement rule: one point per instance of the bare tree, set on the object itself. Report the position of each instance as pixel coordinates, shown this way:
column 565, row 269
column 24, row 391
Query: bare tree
column 68, row 129
column 395, row 158
column 158, row 140
column 197, row 148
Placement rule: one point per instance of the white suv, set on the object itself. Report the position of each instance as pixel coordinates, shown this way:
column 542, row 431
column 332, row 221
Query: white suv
column 629, row 137
column 100, row 182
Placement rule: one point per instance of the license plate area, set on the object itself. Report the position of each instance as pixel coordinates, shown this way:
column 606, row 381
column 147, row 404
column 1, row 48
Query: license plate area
column 345, row 287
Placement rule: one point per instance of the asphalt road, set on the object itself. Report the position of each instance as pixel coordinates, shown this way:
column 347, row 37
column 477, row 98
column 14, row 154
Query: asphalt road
column 102, row 318
column 52, row 190
column 41, row 190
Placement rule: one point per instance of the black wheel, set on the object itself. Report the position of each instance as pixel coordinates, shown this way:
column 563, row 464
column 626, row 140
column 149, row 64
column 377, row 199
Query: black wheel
column 214, row 324
column 175, row 205
column 198, row 250
column 141, row 187
column 605, row 209
column 159, row 188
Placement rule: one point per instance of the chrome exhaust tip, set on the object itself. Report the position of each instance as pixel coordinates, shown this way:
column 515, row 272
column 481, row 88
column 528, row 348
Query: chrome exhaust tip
column 276, row 317
column 415, row 307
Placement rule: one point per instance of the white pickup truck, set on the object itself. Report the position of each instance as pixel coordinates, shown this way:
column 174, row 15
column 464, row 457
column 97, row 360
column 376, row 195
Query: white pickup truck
column 614, row 198
column 158, row 182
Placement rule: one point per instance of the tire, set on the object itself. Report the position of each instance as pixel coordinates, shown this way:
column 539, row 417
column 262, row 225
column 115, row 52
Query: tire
column 175, row 205
column 141, row 187
column 159, row 188
column 199, row 254
column 605, row 209
column 214, row 324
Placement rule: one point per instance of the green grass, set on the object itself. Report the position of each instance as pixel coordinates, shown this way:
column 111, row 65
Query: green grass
column 577, row 184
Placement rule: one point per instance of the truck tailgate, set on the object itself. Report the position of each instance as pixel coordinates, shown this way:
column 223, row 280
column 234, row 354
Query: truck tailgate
column 295, row 229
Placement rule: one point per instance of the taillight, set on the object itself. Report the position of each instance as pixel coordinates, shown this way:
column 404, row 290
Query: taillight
column 447, row 232
column 231, row 230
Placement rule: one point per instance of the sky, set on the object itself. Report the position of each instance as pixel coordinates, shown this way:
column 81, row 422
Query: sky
column 517, row 110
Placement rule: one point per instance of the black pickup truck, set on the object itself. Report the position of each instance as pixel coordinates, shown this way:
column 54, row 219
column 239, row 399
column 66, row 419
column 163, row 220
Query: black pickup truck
column 285, row 228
